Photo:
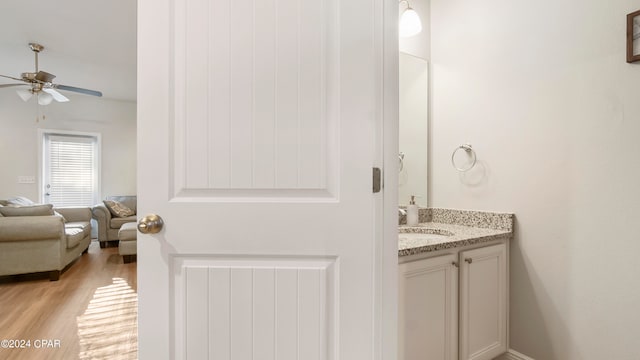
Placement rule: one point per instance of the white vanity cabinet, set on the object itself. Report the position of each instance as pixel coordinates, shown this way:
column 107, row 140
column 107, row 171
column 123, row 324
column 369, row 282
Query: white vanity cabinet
column 453, row 306
column 428, row 309
column 483, row 302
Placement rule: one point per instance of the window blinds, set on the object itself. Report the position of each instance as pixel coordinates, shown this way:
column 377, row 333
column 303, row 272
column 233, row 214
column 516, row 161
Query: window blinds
column 70, row 170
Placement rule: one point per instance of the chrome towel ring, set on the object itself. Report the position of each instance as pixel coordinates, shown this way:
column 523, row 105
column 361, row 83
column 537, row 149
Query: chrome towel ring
column 470, row 152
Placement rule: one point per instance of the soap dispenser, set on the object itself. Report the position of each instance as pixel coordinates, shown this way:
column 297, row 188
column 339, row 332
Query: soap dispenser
column 412, row 212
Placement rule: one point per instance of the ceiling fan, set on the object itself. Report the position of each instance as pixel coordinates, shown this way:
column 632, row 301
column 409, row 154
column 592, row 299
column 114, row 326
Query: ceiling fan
column 40, row 84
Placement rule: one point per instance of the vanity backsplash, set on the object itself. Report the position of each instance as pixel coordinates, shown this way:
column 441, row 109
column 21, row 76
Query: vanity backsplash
column 480, row 219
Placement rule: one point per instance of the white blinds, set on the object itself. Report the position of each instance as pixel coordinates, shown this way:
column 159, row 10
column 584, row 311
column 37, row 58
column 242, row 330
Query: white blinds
column 70, row 170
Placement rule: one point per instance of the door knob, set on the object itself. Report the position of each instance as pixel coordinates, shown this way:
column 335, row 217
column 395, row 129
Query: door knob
column 150, row 224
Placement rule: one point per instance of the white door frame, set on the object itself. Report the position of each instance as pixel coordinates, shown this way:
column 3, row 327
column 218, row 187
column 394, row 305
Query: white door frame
column 387, row 228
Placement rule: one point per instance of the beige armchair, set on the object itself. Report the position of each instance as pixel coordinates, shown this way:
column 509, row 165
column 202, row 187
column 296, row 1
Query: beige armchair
column 108, row 224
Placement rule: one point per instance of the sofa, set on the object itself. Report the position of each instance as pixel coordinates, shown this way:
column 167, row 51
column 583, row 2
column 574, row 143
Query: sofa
column 39, row 238
column 108, row 223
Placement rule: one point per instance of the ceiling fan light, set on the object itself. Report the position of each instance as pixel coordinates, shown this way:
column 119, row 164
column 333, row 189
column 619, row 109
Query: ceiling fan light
column 25, row 95
column 410, row 23
column 44, row 98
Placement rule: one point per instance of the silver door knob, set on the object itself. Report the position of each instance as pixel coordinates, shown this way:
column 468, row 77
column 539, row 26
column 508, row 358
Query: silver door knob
column 150, row 224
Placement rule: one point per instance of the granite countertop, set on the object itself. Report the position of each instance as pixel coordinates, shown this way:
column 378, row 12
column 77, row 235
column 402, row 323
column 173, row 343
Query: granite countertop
column 459, row 227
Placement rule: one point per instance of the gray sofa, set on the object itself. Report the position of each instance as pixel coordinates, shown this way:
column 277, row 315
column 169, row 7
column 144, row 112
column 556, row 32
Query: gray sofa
column 109, row 225
column 42, row 243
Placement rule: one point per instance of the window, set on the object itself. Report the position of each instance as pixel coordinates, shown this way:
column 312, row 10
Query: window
column 70, row 168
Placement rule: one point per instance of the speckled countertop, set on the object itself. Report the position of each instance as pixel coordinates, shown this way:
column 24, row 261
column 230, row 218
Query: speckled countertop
column 459, row 227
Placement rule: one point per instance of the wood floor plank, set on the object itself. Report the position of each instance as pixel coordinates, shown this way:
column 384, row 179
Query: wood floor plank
column 90, row 313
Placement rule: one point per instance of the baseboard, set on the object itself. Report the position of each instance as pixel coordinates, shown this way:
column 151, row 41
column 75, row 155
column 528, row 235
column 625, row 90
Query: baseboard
column 514, row 355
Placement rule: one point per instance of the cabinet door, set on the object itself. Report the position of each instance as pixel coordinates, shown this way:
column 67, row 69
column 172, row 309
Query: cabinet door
column 428, row 309
column 483, row 302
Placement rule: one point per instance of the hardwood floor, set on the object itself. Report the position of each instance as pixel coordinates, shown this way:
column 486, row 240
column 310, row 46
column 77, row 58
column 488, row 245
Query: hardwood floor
column 90, row 313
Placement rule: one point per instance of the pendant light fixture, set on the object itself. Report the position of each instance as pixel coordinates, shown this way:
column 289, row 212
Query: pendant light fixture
column 409, row 23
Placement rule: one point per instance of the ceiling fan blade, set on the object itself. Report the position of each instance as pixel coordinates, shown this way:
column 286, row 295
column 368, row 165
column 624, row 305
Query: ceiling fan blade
column 25, row 95
column 56, row 95
column 45, row 76
column 77, row 89
column 8, row 85
column 11, row 77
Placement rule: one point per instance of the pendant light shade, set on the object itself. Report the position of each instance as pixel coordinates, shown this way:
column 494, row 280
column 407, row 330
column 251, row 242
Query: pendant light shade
column 409, row 24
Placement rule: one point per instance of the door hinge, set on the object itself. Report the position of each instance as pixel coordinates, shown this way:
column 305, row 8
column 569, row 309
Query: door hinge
column 377, row 180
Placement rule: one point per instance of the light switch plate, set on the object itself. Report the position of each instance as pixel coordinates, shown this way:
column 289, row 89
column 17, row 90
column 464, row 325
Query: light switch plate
column 26, row 179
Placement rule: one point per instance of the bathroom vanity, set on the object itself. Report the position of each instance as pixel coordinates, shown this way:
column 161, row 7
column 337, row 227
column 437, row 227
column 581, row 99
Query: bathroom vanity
column 453, row 285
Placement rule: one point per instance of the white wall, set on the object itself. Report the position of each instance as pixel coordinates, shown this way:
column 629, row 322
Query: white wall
column 115, row 120
column 542, row 91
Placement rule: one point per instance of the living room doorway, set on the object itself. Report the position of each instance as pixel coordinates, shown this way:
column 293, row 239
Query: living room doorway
column 88, row 139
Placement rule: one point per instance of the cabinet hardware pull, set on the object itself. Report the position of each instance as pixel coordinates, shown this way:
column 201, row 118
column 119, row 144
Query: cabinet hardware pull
column 454, row 263
column 468, row 260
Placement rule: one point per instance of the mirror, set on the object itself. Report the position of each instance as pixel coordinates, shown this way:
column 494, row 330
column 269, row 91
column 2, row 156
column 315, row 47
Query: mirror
column 413, row 114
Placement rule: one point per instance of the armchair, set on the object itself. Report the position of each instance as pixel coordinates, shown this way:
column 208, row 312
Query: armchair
column 109, row 225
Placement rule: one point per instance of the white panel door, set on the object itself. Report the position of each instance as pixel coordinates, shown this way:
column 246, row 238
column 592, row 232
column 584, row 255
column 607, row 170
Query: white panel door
column 483, row 302
column 428, row 309
column 258, row 126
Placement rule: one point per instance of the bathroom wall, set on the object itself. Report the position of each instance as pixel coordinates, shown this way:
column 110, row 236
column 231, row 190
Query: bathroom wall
column 542, row 91
column 115, row 120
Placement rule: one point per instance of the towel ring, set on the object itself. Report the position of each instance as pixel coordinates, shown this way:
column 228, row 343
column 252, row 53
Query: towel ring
column 401, row 158
column 469, row 150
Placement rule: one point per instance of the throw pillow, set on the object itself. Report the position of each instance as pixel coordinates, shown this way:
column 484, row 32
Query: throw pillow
column 34, row 210
column 118, row 209
column 20, row 201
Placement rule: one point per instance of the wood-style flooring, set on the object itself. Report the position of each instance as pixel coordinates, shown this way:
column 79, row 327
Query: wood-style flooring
column 90, row 313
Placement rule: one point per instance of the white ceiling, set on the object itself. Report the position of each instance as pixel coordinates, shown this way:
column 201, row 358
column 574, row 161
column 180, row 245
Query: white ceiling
column 88, row 43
